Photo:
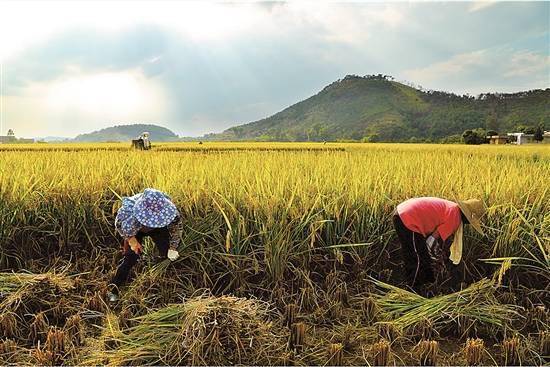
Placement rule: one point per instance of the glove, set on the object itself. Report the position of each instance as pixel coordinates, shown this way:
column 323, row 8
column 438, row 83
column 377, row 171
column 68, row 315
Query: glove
column 434, row 248
column 430, row 241
column 173, row 255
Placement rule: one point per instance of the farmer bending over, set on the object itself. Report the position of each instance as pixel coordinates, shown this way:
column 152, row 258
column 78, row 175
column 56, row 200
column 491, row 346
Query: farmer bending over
column 425, row 226
column 152, row 214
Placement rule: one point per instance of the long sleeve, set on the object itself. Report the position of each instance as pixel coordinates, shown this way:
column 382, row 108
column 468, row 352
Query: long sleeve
column 175, row 229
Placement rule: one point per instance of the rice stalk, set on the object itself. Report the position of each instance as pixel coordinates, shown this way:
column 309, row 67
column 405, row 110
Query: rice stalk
column 477, row 302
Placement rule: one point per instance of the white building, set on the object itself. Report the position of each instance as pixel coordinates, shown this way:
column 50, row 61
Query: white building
column 521, row 138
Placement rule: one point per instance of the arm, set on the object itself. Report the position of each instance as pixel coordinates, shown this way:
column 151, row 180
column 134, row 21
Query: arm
column 175, row 229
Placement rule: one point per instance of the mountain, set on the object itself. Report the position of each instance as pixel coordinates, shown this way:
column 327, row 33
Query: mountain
column 127, row 133
column 52, row 139
column 377, row 108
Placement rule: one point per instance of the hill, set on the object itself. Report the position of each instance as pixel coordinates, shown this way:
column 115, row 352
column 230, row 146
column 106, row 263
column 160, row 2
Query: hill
column 128, row 132
column 377, row 108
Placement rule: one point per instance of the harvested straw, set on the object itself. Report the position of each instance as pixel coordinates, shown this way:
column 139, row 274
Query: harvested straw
column 308, row 299
column 341, row 294
column 477, row 303
column 290, row 314
column 335, row 355
column 423, row 330
column 382, row 353
column 426, row 352
column 473, row 351
column 8, row 324
column 95, row 302
column 335, row 310
column 74, row 328
column 544, row 343
column 297, row 336
column 39, row 328
column 539, row 317
column 55, row 341
column 202, row 331
column 8, row 350
column 369, row 309
column 388, row 330
column 26, row 292
column 511, row 351
column 44, row 357
column 54, row 348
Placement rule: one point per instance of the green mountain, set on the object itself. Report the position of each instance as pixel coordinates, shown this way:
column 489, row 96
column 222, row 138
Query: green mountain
column 127, row 133
column 377, row 108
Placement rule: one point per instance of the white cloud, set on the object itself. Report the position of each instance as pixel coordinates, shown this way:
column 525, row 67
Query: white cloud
column 525, row 63
column 480, row 5
column 455, row 65
column 469, row 72
column 23, row 23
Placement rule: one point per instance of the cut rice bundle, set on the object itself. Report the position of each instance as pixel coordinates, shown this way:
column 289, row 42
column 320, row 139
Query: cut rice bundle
column 202, row 331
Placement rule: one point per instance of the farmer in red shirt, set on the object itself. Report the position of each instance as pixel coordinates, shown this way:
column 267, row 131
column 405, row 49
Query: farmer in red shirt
column 425, row 227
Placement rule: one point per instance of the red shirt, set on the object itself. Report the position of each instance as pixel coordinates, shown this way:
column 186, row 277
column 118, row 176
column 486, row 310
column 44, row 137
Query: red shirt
column 427, row 215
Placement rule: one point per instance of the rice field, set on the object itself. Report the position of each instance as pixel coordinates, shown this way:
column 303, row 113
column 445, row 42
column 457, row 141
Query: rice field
column 288, row 256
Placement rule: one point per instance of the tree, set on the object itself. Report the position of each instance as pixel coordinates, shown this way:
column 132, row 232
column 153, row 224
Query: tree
column 474, row 137
column 491, row 123
column 525, row 129
column 539, row 133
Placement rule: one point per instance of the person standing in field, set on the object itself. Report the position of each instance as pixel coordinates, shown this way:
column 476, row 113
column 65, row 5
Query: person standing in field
column 150, row 213
column 425, row 227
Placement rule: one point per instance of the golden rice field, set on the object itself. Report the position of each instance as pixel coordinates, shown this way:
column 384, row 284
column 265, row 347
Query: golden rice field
column 288, row 256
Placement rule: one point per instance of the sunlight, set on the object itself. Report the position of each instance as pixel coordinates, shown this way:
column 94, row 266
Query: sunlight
column 117, row 93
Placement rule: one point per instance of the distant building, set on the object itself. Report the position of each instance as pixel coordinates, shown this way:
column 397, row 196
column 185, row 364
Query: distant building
column 498, row 139
column 521, row 138
column 4, row 139
column 10, row 138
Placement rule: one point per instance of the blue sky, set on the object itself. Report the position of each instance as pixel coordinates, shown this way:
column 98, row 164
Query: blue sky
column 199, row 67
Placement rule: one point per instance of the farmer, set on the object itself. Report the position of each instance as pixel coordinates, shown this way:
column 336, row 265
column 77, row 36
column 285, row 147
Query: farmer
column 150, row 213
column 425, row 227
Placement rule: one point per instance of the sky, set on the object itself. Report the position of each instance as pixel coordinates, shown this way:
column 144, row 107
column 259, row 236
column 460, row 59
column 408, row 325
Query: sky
column 70, row 67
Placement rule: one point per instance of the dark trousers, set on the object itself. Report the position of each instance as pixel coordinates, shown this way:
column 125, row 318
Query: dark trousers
column 161, row 238
column 418, row 265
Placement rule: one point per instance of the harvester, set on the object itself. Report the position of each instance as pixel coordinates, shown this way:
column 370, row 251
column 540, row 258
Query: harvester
column 142, row 142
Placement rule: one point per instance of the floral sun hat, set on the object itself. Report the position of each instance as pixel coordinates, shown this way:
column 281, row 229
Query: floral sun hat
column 154, row 209
column 125, row 223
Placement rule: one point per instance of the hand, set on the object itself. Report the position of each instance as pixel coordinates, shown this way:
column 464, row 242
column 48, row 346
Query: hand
column 135, row 245
column 173, row 254
column 430, row 242
column 434, row 248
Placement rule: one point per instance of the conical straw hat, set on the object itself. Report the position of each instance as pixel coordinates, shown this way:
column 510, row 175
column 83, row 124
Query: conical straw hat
column 473, row 210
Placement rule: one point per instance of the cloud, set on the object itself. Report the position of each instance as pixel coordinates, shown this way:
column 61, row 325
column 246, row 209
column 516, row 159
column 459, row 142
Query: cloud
column 480, row 5
column 207, row 66
column 507, row 69
column 527, row 63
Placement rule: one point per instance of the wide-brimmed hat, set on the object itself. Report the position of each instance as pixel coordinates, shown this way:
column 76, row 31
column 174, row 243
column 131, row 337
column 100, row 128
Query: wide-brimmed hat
column 125, row 223
column 473, row 210
column 154, row 209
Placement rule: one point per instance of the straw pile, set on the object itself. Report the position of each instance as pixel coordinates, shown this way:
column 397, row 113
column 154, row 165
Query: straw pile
column 476, row 303
column 28, row 300
column 202, row 331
